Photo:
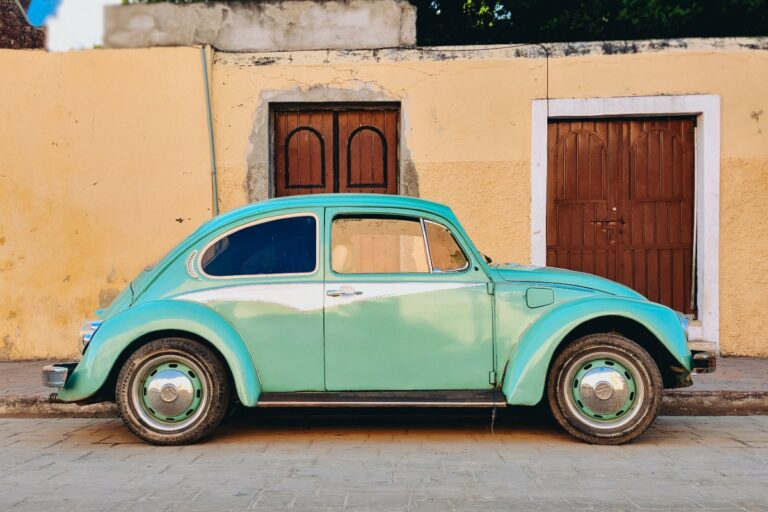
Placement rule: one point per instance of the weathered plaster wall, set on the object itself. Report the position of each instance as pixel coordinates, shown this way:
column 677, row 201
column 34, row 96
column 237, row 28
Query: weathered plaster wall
column 103, row 152
column 467, row 130
column 264, row 26
column 103, row 167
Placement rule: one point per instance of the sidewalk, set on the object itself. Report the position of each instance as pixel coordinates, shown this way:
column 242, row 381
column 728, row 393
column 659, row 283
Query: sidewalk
column 739, row 387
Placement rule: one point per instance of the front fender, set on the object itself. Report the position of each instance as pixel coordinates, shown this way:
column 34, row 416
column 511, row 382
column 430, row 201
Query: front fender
column 526, row 370
column 118, row 332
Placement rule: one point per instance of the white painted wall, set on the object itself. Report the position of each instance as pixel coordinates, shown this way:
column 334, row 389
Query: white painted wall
column 77, row 25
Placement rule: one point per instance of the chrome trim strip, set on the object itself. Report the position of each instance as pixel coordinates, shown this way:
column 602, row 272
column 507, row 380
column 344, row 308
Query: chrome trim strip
column 426, row 243
column 426, row 237
column 374, row 403
column 191, row 265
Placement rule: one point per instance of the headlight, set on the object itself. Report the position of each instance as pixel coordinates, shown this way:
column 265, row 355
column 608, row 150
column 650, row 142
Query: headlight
column 683, row 323
column 87, row 330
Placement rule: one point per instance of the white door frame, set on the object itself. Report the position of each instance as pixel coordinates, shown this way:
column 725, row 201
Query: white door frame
column 706, row 108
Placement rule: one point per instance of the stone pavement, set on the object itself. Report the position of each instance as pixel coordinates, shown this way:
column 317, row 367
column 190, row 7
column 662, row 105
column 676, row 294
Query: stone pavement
column 740, row 386
column 384, row 463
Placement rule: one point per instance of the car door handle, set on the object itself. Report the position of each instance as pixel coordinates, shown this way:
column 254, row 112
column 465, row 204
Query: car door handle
column 345, row 292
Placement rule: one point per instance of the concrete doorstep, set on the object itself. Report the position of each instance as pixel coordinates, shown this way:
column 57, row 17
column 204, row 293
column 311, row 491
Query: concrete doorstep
column 738, row 388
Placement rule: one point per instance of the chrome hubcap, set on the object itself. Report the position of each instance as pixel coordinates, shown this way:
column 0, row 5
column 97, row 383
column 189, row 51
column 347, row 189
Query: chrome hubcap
column 604, row 389
column 169, row 392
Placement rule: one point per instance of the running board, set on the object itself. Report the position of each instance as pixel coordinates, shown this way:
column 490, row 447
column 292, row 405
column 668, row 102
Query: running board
column 384, row 399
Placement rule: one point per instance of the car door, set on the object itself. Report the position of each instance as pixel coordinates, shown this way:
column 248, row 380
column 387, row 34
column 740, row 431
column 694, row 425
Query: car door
column 406, row 306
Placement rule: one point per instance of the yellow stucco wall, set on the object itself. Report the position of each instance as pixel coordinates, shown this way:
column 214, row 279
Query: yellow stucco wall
column 133, row 122
column 467, row 136
column 100, row 153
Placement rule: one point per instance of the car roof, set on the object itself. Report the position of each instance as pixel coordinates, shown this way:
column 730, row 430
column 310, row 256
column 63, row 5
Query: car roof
column 328, row 200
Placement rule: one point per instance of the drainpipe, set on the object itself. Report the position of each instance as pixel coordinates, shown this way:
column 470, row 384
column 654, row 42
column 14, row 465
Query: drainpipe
column 214, row 179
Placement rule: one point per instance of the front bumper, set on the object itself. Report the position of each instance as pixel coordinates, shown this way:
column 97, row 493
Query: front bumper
column 704, row 361
column 55, row 375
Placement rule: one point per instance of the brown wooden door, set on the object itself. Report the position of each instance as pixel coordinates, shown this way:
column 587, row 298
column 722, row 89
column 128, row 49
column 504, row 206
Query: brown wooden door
column 620, row 203
column 335, row 149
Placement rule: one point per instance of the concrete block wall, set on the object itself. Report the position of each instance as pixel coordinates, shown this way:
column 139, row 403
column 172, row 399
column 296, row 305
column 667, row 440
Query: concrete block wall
column 264, row 26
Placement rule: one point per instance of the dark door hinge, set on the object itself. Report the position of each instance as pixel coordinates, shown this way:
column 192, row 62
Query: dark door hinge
column 491, row 287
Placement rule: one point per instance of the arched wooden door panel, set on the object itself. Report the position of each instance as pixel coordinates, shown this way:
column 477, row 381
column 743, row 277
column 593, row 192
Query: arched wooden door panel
column 320, row 149
column 620, row 195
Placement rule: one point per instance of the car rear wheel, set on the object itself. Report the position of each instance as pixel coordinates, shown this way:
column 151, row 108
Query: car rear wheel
column 172, row 391
column 604, row 389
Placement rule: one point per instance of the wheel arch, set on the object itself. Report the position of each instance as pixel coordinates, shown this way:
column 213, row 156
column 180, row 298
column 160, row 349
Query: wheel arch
column 654, row 327
column 107, row 390
column 120, row 336
column 634, row 331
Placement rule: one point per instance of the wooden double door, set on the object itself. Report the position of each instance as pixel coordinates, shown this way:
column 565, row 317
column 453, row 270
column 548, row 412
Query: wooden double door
column 321, row 149
column 620, row 201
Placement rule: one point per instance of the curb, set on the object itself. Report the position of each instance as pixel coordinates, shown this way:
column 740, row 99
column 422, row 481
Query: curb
column 675, row 403
column 43, row 407
column 715, row 403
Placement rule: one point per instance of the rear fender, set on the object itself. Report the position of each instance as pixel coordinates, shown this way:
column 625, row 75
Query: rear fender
column 117, row 333
column 526, row 369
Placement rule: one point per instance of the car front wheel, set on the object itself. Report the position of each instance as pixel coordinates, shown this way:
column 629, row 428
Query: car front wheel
column 172, row 391
column 604, row 389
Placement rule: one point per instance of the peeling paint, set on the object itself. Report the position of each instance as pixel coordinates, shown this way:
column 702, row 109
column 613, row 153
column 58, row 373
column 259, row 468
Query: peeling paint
column 106, row 296
column 264, row 61
column 492, row 52
column 6, row 348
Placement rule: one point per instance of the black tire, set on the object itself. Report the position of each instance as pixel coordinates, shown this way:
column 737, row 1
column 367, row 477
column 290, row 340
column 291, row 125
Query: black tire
column 638, row 380
column 199, row 374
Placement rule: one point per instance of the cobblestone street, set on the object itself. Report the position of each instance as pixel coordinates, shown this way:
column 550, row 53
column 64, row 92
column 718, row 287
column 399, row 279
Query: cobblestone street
column 376, row 462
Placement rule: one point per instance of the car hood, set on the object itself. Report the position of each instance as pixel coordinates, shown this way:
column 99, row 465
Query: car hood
column 558, row 276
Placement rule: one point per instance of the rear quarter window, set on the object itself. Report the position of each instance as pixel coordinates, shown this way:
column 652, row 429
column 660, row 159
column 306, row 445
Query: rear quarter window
column 286, row 245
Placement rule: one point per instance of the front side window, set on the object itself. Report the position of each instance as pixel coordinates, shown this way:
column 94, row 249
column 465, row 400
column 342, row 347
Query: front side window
column 281, row 246
column 377, row 244
column 445, row 252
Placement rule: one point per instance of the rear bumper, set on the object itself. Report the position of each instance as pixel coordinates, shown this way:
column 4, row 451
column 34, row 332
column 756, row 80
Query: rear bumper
column 55, row 375
column 704, row 361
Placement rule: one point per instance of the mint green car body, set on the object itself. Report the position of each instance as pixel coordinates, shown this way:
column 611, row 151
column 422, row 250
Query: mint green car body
column 499, row 330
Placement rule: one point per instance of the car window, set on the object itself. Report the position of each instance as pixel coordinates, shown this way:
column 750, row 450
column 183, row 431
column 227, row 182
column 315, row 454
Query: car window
column 445, row 252
column 377, row 245
column 281, row 246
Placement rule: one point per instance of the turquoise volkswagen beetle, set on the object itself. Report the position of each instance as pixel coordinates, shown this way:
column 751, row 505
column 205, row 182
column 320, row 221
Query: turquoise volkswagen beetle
column 370, row 300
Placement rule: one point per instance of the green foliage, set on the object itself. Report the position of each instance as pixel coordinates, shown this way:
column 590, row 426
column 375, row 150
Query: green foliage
column 489, row 21
column 444, row 22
